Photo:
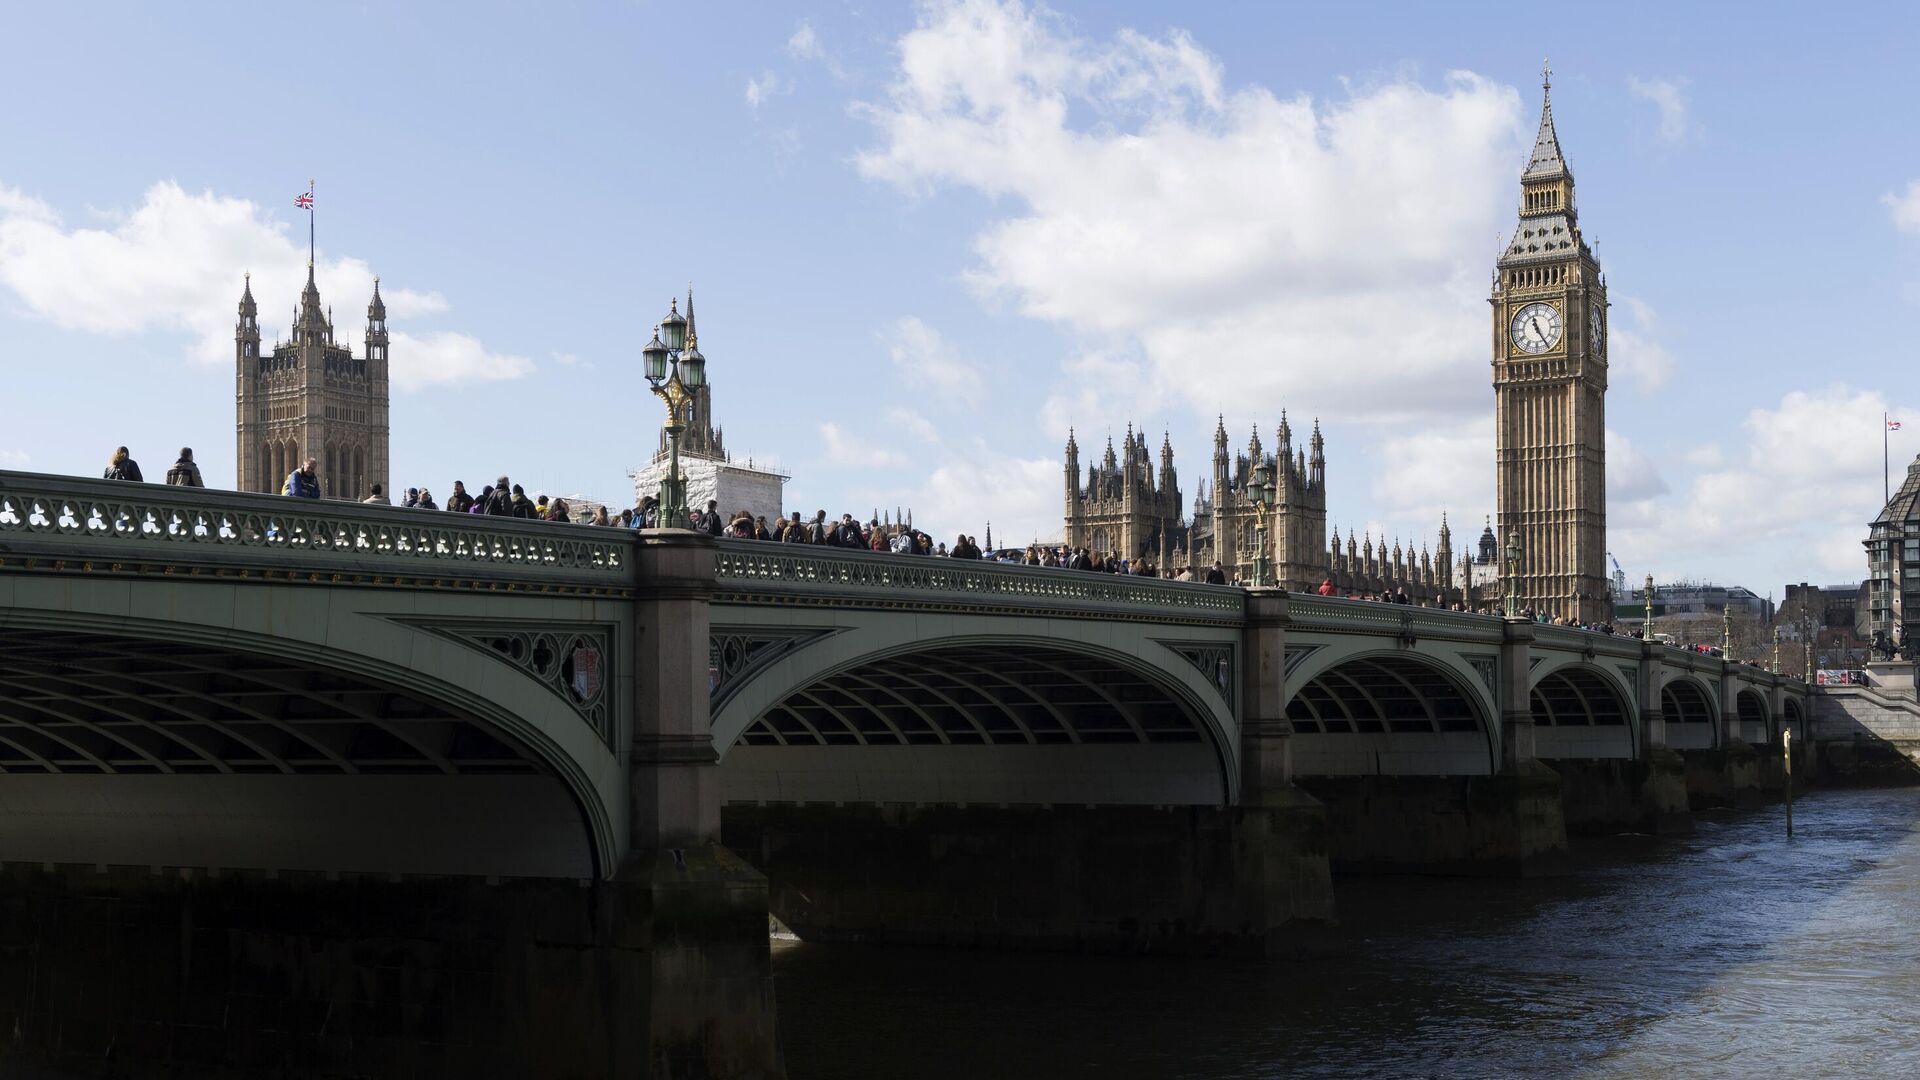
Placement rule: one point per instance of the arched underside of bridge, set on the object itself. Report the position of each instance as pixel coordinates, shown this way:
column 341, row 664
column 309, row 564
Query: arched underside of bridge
column 1689, row 715
column 1794, row 717
column 1392, row 715
column 1756, row 725
column 1577, row 713
column 128, row 751
column 981, row 722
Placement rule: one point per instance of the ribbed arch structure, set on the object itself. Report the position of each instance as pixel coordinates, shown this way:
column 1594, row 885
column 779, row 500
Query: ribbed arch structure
column 1688, row 714
column 1389, row 714
column 981, row 722
column 1755, row 725
column 978, row 695
column 1577, row 713
column 147, row 752
column 1794, row 718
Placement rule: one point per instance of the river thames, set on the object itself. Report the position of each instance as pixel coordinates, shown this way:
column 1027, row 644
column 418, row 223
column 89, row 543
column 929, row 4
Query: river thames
column 1730, row 953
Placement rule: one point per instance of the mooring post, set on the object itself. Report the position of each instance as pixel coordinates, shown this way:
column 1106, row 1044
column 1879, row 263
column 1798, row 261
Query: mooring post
column 1786, row 750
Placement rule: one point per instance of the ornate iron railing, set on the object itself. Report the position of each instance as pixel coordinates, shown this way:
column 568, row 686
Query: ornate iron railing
column 761, row 569
column 66, row 518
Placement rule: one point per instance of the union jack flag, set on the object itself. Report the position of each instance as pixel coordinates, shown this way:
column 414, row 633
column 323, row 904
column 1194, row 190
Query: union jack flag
column 1893, row 425
column 305, row 201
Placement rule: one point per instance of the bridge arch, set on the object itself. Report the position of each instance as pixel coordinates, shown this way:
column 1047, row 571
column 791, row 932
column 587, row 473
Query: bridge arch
column 1692, row 720
column 1793, row 717
column 1580, row 712
column 857, row 716
column 1391, row 712
column 1756, row 720
column 321, row 740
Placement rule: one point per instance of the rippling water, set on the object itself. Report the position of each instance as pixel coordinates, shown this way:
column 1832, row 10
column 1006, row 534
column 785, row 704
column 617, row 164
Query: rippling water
column 1729, row 953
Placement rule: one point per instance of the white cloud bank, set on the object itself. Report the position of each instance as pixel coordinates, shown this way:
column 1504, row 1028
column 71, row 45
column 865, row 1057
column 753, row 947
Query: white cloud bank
column 1903, row 207
column 1670, row 98
column 1335, row 252
column 173, row 264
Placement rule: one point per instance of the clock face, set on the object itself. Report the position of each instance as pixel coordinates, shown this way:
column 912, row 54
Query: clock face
column 1597, row 328
column 1536, row 328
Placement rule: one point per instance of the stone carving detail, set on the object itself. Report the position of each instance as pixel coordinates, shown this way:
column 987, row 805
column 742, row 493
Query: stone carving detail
column 736, row 653
column 92, row 518
column 574, row 662
column 1214, row 661
column 1632, row 673
column 765, row 568
column 1298, row 653
column 1489, row 669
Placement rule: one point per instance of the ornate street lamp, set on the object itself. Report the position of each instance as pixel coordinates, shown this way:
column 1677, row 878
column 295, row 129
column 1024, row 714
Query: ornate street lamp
column 1514, row 552
column 675, row 369
column 1726, row 628
column 1646, row 624
column 1260, row 494
column 1776, row 649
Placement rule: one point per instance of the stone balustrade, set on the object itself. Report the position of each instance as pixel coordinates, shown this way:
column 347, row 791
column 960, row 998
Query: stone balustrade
column 105, row 525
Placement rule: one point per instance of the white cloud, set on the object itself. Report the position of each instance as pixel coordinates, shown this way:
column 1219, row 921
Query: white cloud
column 1021, row 496
column 804, row 44
column 925, row 358
column 443, row 358
column 1669, row 97
column 1336, row 251
column 912, row 425
column 1443, row 469
column 1632, row 347
column 853, row 450
column 173, row 264
column 763, row 86
column 1798, row 494
column 1903, row 207
column 14, row 459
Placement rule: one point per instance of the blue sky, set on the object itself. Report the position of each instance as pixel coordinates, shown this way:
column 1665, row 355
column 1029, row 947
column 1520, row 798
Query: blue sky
column 926, row 239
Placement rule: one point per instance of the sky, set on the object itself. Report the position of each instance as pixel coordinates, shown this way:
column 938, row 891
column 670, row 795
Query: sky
column 926, row 240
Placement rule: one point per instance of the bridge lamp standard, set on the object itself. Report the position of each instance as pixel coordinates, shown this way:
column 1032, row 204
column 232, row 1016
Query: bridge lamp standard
column 1646, row 624
column 675, row 369
column 1514, row 552
column 1260, row 494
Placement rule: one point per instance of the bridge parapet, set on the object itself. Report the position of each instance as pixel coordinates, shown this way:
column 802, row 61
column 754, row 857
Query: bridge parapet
column 748, row 571
column 69, row 523
column 1332, row 613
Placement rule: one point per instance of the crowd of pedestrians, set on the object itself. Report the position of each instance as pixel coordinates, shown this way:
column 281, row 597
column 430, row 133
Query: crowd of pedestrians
column 503, row 498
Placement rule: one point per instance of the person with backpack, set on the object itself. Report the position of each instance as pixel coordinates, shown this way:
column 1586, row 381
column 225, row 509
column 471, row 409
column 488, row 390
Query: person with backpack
column 122, row 467
column 303, row 482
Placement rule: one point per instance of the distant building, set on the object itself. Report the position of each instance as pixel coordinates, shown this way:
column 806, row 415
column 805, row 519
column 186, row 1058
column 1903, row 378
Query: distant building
column 1893, row 564
column 1125, row 506
column 711, row 472
column 311, row 397
column 1832, row 607
column 1693, row 610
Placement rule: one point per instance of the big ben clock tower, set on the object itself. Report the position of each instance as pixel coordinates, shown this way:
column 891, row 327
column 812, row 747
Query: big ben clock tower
column 1550, row 387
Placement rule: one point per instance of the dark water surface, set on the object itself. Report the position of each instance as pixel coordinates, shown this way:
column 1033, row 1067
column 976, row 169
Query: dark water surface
column 1729, row 953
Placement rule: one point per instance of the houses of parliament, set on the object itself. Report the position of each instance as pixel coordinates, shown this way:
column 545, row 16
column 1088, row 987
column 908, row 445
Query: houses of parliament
column 311, row 397
column 1549, row 373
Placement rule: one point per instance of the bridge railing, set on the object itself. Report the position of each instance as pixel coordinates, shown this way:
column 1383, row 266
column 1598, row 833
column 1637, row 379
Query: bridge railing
column 1338, row 614
column 70, row 519
column 752, row 569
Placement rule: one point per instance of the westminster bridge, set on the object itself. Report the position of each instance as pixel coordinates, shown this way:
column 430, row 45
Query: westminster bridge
column 318, row 786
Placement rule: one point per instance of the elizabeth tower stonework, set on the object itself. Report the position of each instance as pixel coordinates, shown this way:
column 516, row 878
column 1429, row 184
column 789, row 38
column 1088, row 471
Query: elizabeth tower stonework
column 1550, row 386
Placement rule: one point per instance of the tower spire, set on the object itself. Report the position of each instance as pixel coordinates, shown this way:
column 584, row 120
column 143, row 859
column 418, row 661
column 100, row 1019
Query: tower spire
column 1546, row 159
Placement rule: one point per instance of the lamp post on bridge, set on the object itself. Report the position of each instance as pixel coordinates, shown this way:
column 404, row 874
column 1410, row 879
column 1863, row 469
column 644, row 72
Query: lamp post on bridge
column 1646, row 627
column 1260, row 494
column 1726, row 628
column 675, row 369
column 1776, row 648
column 1512, row 576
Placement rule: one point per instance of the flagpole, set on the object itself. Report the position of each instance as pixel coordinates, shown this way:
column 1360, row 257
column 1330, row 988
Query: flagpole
column 1886, row 463
column 309, row 221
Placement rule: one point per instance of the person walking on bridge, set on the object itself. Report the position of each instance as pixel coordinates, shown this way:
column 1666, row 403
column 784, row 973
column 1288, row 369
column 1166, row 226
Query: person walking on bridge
column 184, row 472
column 459, row 502
column 303, row 482
column 122, row 467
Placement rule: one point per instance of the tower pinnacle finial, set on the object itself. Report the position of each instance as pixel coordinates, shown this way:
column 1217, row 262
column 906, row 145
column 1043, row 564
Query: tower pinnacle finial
column 1546, row 74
